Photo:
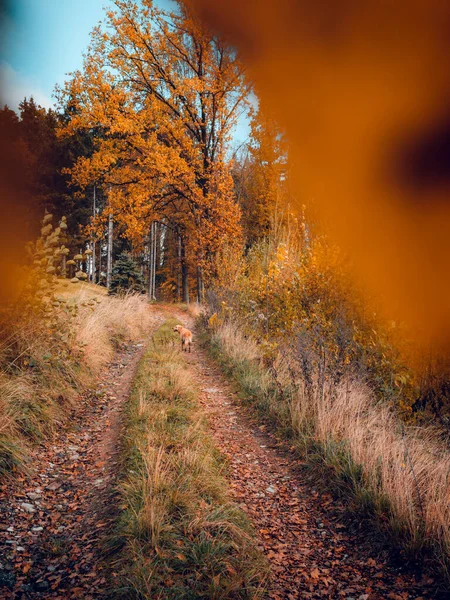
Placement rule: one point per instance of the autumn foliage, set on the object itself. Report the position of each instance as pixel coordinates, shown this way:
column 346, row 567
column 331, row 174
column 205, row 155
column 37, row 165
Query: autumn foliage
column 142, row 156
column 362, row 91
column 163, row 95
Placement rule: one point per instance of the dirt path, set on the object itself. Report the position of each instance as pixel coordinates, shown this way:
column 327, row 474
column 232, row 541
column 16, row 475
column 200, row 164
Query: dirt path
column 52, row 520
column 311, row 551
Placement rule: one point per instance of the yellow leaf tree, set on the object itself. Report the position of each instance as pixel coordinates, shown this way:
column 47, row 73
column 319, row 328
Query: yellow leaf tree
column 161, row 95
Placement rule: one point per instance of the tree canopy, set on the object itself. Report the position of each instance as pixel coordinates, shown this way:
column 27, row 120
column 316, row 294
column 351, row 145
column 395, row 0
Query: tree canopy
column 165, row 94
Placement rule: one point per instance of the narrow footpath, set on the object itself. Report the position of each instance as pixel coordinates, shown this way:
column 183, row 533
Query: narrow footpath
column 53, row 520
column 303, row 533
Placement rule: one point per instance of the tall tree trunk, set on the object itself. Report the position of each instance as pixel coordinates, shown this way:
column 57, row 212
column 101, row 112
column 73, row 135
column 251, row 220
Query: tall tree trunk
column 155, row 251
column 152, row 262
column 199, row 285
column 202, row 299
column 63, row 266
column 109, row 251
column 93, row 274
column 100, row 261
column 184, row 274
column 179, row 268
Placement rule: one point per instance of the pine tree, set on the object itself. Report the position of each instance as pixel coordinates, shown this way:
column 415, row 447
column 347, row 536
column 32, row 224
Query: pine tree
column 126, row 275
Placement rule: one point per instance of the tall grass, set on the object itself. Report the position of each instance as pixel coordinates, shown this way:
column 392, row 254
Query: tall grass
column 178, row 536
column 114, row 320
column 43, row 368
column 398, row 475
column 194, row 309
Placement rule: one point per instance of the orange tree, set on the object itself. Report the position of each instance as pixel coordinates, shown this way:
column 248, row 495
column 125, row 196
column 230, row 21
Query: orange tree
column 260, row 174
column 295, row 289
column 164, row 93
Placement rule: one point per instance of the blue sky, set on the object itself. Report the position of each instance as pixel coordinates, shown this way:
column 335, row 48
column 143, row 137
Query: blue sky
column 43, row 40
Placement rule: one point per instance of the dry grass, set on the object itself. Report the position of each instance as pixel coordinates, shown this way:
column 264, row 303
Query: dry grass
column 179, row 534
column 115, row 319
column 11, row 453
column 405, row 472
column 43, row 369
column 82, row 291
column 194, row 309
column 400, row 475
column 235, row 345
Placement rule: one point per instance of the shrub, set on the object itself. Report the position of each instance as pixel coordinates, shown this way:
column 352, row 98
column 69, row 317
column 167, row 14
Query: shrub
column 126, row 275
column 44, row 366
column 291, row 288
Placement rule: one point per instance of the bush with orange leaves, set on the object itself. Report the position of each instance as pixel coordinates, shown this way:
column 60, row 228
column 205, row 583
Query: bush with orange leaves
column 295, row 290
column 289, row 325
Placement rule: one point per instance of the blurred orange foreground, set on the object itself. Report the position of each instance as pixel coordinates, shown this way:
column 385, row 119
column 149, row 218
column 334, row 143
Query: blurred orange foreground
column 362, row 90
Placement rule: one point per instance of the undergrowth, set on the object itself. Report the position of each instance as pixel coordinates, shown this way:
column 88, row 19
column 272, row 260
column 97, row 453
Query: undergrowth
column 178, row 535
column 44, row 367
column 394, row 476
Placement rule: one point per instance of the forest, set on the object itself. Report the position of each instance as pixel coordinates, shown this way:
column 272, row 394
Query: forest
column 301, row 450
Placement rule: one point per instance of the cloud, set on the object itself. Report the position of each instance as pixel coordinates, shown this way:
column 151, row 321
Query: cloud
column 14, row 88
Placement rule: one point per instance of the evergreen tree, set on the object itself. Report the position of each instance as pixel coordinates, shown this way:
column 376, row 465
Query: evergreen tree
column 126, row 275
column 37, row 158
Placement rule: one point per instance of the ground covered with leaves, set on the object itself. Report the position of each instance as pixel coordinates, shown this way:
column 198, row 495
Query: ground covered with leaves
column 53, row 518
column 313, row 549
column 178, row 535
column 56, row 518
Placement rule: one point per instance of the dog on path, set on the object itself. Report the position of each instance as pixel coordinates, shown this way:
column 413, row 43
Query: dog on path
column 185, row 337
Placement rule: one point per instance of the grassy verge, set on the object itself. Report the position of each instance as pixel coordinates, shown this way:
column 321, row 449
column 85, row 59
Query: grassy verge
column 43, row 368
column 179, row 535
column 396, row 477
